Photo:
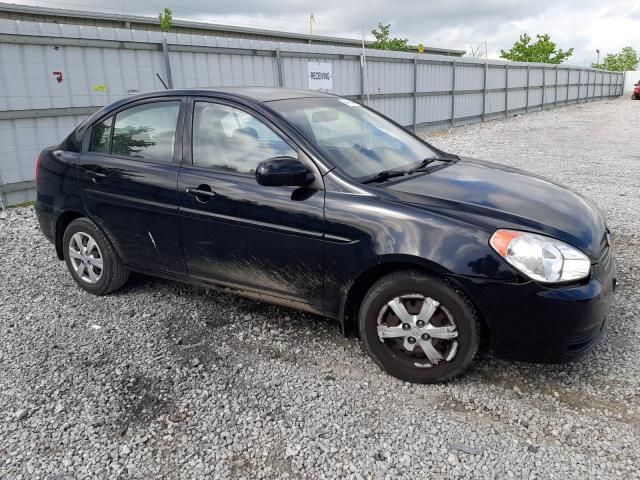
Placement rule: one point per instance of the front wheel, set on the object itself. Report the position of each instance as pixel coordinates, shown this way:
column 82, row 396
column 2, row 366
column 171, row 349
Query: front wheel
column 93, row 262
column 417, row 328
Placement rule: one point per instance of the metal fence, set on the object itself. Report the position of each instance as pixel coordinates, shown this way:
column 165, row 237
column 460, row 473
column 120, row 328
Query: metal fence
column 54, row 75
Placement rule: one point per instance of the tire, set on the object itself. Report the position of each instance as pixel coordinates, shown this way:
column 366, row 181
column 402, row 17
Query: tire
column 452, row 310
column 84, row 259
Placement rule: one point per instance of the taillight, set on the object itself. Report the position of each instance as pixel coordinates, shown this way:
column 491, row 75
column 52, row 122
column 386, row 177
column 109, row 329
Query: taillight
column 38, row 170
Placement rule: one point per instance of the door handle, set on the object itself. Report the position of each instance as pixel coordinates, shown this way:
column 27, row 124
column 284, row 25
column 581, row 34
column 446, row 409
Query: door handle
column 96, row 176
column 202, row 192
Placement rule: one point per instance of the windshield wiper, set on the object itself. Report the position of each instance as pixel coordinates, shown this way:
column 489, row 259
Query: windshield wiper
column 428, row 161
column 385, row 175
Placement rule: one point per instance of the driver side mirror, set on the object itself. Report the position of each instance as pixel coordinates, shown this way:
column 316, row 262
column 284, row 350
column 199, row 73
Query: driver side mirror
column 283, row 172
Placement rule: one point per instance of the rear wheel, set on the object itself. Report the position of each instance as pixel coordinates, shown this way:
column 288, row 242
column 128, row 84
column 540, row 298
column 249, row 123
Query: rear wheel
column 417, row 328
column 91, row 259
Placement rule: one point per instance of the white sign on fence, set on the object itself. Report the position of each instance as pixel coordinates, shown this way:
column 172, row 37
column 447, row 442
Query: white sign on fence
column 320, row 76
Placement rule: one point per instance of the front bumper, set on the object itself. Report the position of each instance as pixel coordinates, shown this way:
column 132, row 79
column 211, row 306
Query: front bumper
column 530, row 322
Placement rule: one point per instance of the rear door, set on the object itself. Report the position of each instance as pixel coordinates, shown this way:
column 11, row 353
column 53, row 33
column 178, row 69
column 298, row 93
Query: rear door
column 264, row 239
column 129, row 173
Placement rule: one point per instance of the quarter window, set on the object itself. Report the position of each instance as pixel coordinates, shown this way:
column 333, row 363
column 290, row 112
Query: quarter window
column 231, row 139
column 101, row 137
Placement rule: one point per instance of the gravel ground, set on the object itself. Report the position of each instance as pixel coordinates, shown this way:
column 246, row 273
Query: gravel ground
column 167, row 380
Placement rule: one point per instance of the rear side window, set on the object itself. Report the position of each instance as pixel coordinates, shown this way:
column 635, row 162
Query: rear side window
column 145, row 131
column 101, row 137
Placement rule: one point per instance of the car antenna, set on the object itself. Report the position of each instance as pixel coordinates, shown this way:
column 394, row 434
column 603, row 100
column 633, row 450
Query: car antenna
column 162, row 81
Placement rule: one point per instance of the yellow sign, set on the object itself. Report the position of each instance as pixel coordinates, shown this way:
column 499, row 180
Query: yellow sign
column 420, row 48
column 100, row 88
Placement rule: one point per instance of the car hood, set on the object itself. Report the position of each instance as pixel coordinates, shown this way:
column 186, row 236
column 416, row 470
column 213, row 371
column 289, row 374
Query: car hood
column 497, row 196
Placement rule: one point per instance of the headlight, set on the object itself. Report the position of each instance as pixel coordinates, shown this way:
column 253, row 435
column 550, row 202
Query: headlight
column 541, row 258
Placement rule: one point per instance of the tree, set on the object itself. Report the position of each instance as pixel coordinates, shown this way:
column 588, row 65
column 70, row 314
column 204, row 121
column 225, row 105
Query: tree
column 626, row 59
column 166, row 20
column 542, row 51
column 384, row 42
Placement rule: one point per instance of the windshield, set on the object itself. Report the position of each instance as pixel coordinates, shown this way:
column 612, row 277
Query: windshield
column 358, row 141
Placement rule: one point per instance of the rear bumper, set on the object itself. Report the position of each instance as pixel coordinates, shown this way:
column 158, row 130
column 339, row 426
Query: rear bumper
column 46, row 221
column 530, row 322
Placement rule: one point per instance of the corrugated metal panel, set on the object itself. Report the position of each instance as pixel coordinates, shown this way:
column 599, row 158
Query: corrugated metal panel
column 549, row 95
column 535, row 97
column 435, row 108
column 550, row 76
column 573, row 92
column 517, row 77
column 468, row 105
column 100, row 65
column 535, row 77
column 190, row 69
column 574, row 76
column 434, row 77
column 22, row 140
column 400, row 108
column 563, row 77
column 469, row 78
column 517, row 99
column 495, row 102
column 496, row 77
column 562, row 93
column 390, row 77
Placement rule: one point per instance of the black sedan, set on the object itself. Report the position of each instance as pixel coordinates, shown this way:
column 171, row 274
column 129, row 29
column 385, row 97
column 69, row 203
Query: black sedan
column 319, row 203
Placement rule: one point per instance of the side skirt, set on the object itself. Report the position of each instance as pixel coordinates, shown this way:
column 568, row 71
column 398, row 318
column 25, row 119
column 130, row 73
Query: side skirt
column 235, row 290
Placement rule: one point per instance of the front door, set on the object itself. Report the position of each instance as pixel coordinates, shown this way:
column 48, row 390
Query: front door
column 264, row 239
column 129, row 174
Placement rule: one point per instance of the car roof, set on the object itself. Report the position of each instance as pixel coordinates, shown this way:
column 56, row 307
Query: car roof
column 269, row 94
column 258, row 94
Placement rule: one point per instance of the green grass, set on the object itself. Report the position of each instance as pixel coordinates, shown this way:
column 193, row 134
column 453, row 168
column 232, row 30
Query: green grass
column 25, row 204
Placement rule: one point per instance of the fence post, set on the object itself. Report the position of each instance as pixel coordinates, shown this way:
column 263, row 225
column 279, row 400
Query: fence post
column 484, row 91
column 544, row 87
column 361, row 79
column 506, row 90
column 453, row 92
column 415, row 92
column 167, row 63
column 566, row 100
column 528, row 87
column 279, row 68
column 555, row 95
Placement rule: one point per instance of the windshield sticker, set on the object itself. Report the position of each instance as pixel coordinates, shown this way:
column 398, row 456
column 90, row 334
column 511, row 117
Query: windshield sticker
column 349, row 103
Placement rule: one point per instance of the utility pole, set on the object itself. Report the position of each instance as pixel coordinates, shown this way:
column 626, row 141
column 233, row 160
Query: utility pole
column 598, row 52
column 311, row 20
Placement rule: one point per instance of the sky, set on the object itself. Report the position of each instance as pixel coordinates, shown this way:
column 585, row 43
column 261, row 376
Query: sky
column 585, row 25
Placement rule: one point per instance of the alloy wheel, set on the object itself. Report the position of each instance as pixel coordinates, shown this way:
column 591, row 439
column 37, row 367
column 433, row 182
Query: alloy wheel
column 419, row 330
column 86, row 257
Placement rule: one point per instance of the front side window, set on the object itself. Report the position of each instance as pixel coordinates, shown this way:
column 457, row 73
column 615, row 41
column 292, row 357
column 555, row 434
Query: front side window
column 230, row 139
column 355, row 139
